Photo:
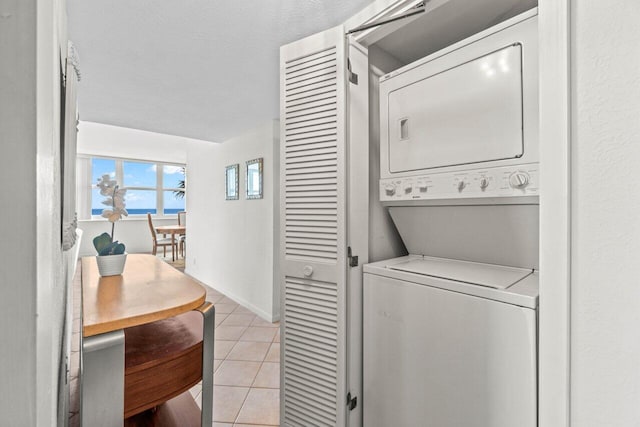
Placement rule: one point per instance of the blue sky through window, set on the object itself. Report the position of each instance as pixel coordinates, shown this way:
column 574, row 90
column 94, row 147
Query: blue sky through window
column 100, row 167
column 96, row 202
column 172, row 204
column 141, row 201
column 139, row 174
column 171, row 176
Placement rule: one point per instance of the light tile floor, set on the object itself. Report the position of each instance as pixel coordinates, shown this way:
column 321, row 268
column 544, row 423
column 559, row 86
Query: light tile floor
column 246, row 365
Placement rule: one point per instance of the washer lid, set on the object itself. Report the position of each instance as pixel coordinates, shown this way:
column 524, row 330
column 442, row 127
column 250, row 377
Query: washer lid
column 489, row 275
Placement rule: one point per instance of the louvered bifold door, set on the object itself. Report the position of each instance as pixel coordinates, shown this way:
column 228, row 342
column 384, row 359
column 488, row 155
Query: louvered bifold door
column 312, row 244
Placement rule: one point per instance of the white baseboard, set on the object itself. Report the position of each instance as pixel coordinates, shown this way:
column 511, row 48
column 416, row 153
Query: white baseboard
column 257, row 310
column 269, row 317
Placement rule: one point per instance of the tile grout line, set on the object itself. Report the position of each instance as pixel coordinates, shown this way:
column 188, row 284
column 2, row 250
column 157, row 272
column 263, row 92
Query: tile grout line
column 248, row 393
column 252, row 382
column 262, row 361
column 227, row 359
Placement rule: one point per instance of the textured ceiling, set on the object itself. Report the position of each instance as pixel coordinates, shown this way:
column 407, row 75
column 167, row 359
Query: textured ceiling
column 204, row 69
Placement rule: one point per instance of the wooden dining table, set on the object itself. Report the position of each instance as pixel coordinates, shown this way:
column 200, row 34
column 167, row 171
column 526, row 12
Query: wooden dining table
column 148, row 290
column 173, row 229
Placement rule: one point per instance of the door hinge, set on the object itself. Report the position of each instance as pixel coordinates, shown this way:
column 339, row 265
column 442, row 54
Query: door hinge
column 353, row 259
column 353, row 77
column 352, row 402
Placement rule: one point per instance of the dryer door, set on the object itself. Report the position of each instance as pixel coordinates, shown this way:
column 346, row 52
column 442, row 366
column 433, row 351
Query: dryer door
column 470, row 113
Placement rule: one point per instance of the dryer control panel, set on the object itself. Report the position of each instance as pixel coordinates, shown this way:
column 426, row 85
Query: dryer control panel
column 508, row 181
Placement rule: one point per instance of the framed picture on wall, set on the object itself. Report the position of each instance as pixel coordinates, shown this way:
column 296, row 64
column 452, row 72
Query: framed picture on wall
column 68, row 143
column 231, row 175
column 254, row 179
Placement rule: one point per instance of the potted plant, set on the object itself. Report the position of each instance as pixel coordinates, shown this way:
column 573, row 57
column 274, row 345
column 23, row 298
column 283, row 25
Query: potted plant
column 111, row 253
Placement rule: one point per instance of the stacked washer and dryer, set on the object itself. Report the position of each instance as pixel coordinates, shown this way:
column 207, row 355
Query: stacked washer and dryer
column 450, row 331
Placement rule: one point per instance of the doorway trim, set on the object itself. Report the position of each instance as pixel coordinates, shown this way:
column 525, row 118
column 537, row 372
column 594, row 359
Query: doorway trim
column 554, row 398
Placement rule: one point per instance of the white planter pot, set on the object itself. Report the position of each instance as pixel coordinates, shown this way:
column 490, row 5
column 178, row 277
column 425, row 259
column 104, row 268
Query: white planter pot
column 111, row 265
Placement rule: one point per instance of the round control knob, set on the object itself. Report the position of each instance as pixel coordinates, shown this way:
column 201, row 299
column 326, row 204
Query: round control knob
column 390, row 189
column 408, row 188
column 423, row 188
column 307, row 270
column 519, row 179
column 461, row 185
column 484, row 183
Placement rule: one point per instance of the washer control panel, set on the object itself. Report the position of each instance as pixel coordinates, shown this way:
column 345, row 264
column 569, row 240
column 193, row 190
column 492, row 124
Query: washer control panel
column 508, row 181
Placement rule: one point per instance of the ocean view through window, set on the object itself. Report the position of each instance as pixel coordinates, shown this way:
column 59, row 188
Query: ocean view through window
column 152, row 187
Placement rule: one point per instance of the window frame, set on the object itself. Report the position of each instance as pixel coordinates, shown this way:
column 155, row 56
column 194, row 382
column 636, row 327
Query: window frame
column 119, row 171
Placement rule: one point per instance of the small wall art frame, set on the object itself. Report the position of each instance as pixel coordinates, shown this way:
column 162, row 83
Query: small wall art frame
column 68, row 146
column 231, row 175
column 254, row 179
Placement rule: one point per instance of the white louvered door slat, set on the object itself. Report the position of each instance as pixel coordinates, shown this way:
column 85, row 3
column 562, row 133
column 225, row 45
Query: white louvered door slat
column 313, row 238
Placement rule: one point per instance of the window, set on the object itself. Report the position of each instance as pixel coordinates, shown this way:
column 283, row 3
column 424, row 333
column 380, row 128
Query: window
column 152, row 187
column 173, row 186
column 141, row 181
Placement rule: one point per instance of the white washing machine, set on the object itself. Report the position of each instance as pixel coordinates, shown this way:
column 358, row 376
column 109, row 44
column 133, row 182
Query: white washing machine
column 449, row 343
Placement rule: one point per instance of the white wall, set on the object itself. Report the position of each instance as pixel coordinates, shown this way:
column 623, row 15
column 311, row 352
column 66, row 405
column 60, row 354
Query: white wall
column 605, row 285
column 231, row 243
column 98, row 139
column 114, row 141
column 32, row 35
column 51, row 262
column 19, row 283
column 384, row 240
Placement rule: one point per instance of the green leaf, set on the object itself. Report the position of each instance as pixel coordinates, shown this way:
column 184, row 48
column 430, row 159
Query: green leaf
column 114, row 248
column 118, row 248
column 101, row 242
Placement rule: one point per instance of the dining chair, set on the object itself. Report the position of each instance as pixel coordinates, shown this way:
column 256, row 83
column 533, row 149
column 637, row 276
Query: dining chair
column 182, row 220
column 164, row 242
